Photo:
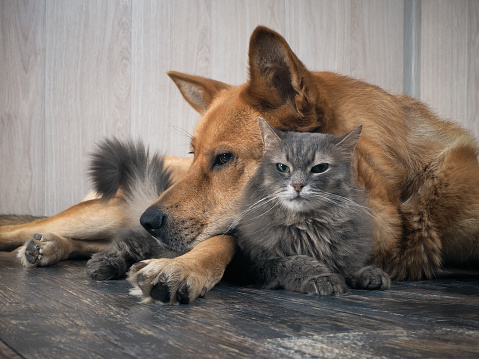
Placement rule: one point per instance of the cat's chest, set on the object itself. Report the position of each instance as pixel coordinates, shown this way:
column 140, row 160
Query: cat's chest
column 312, row 237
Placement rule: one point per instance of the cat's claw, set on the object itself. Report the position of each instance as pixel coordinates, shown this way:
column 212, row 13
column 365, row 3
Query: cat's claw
column 372, row 277
column 325, row 284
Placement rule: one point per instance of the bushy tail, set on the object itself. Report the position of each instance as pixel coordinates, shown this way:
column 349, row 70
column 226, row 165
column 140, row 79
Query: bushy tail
column 128, row 166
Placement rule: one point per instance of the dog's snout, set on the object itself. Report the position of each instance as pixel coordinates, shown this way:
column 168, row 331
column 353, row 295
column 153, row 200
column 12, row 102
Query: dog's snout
column 153, row 219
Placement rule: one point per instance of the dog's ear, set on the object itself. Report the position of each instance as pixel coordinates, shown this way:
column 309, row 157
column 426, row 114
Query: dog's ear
column 278, row 77
column 197, row 90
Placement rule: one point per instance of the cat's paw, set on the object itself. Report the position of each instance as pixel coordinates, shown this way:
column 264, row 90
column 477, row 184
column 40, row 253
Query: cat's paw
column 325, row 284
column 169, row 281
column 104, row 266
column 372, row 277
column 43, row 250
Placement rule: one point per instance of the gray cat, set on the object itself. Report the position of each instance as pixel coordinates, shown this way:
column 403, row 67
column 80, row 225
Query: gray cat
column 305, row 224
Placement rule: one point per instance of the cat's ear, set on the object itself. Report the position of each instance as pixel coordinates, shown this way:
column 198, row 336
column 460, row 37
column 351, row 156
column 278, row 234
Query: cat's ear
column 269, row 135
column 349, row 140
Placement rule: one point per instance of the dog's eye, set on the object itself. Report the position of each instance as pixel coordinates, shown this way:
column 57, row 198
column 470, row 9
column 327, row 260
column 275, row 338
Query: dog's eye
column 223, row 159
column 282, row 168
column 322, row 167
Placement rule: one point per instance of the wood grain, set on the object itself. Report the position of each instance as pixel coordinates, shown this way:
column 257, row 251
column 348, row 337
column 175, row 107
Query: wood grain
column 412, row 48
column 444, row 57
column 328, row 25
column 232, row 25
column 150, row 61
column 167, row 36
column 22, row 112
column 76, row 71
column 87, row 90
column 472, row 115
column 59, row 312
column 377, row 43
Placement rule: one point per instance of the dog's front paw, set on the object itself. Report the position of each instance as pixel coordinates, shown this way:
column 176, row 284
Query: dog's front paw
column 325, row 284
column 43, row 250
column 169, row 281
column 372, row 277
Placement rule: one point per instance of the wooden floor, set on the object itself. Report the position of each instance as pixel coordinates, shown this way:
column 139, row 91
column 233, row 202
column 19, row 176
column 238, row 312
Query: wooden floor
column 59, row 312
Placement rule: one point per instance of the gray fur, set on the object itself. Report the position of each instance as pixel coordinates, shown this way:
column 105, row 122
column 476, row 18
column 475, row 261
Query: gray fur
column 319, row 243
column 128, row 166
column 142, row 178
column 130, row 246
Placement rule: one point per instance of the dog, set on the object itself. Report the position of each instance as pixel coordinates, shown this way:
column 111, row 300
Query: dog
column 421, row 174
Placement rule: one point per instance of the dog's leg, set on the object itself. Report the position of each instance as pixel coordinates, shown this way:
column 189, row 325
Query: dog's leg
column 184, row 278
column 78, row 231
column 46, row 249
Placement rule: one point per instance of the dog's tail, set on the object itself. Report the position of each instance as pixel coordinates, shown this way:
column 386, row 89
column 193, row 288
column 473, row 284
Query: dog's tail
column 128, row 167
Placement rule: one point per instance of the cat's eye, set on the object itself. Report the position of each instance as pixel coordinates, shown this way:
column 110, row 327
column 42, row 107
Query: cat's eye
column 322, row 167
column 282, row 168
column 223, row 159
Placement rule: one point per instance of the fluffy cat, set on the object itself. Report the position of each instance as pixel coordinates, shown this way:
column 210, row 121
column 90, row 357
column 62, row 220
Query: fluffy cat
column 305, row 224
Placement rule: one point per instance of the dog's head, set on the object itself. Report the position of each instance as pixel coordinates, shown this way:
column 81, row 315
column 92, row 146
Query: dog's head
column 226, row 143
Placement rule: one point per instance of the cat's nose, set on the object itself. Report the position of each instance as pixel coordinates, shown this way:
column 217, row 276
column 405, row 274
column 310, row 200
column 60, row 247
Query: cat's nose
column 298, row 187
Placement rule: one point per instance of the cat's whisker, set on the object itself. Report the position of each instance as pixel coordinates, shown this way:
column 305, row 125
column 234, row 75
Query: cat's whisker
column 343, row 201
column 333, row 198
column 254, row 207
column 337, row 199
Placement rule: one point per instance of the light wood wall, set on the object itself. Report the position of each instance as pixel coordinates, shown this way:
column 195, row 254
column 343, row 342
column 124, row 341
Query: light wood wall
column 75, row 71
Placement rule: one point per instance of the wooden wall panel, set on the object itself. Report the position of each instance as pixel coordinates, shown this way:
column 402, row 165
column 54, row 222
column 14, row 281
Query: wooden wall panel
column 87, row 90
column 444, row 55
column 74, row 71
column 167, row 35
column 22, row 121
column 472, row 74
column 328, row 26
column 412, row 48
column 363, row 39
column 232, row 25
column 150, row 61
column 189, row 50
column 377, row 43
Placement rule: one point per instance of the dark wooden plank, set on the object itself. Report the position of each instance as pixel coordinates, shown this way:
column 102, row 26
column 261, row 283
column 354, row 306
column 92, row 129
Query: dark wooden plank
column 7, row 352
column 58, row 311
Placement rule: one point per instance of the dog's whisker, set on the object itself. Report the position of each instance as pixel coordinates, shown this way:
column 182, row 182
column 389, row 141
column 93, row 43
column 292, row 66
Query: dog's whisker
column 182, row 131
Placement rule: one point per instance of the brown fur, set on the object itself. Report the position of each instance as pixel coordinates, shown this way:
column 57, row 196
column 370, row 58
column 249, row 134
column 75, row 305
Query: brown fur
column 421, row 173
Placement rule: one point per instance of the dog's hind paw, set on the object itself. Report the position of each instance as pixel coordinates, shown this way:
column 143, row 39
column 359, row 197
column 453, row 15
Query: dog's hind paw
column 43, row 250
column 168, row 281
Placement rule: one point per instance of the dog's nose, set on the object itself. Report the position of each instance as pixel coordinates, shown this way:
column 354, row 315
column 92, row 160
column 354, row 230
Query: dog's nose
column 153, row 219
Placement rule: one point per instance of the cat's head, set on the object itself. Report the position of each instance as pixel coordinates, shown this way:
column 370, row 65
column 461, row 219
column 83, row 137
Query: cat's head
column 307, row 171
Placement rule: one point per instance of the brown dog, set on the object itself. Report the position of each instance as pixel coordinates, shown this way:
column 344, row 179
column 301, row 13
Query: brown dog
column 421, row 174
